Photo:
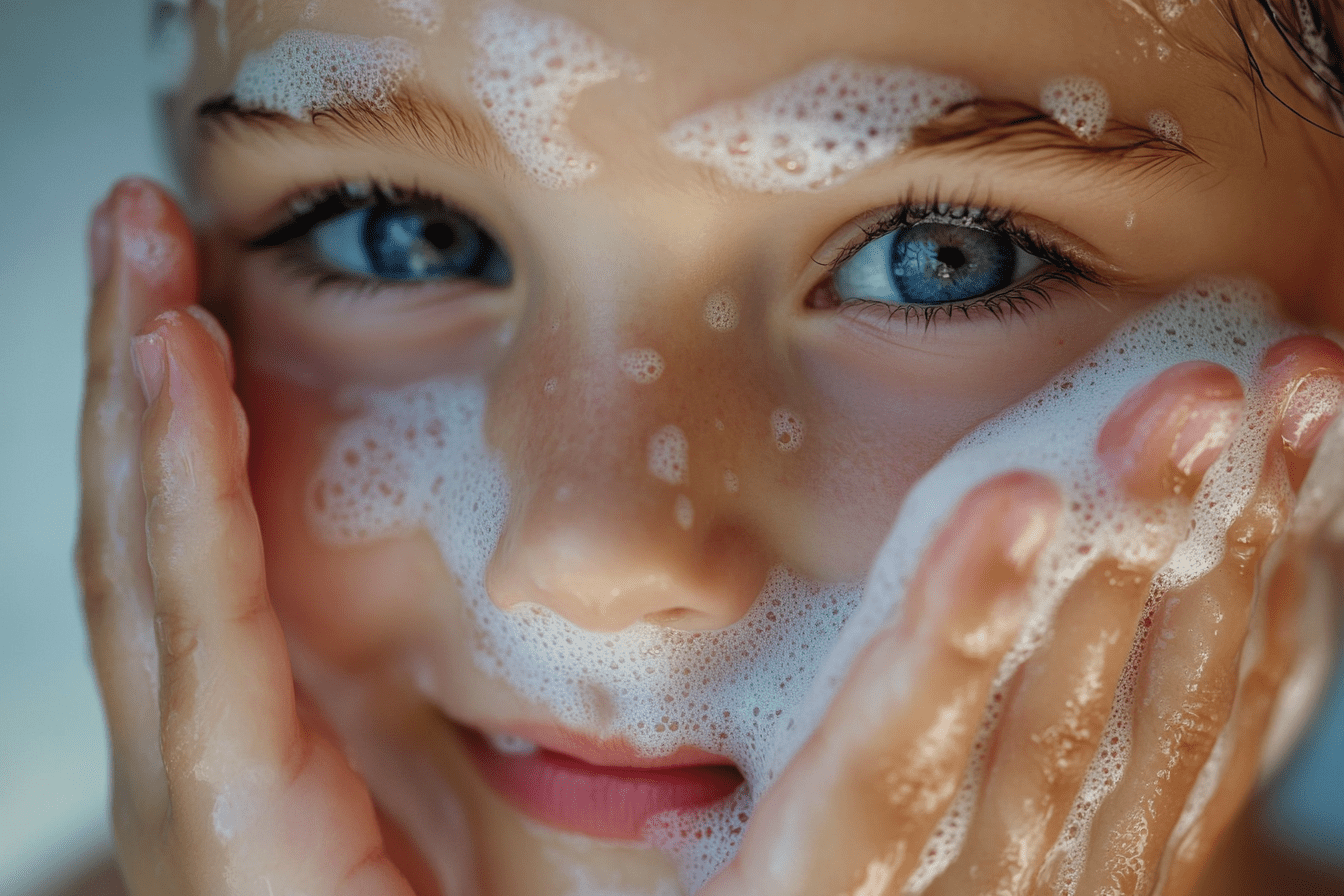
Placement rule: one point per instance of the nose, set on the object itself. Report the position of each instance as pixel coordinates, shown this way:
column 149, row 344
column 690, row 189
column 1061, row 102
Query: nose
column 620, row 512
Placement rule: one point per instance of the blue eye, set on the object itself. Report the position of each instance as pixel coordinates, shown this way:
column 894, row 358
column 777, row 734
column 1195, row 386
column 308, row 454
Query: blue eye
column 932, row 264
column 411, row 241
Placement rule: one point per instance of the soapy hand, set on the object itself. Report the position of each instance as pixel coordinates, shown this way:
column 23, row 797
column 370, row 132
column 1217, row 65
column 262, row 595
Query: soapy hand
column 218, row 784
column 1086, row 787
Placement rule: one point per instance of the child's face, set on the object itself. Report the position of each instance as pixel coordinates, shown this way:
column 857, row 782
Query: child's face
column 806, row 421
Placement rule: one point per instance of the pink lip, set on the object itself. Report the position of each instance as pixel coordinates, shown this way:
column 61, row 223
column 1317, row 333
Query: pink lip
column 600, row 789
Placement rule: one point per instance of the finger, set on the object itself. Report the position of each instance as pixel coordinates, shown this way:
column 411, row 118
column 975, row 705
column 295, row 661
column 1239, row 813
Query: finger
column 1226, row 781
column 254, row 796
column 1182, row 700
column 1049, row 734
column 1167, row 432
column 857, row 806
column 1309, row 372
column 143, row 262
column 1158, row 443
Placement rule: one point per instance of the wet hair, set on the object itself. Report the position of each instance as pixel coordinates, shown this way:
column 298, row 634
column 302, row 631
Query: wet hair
column 1310, row 30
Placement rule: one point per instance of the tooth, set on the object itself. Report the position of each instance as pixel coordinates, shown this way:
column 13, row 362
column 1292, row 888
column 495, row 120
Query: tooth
column 512, row 745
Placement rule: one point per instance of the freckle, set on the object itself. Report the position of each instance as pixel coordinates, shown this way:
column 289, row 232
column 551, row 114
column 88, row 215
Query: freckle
column 549, row 387
column 643, row 365
column 788, row 429
column 684, row 511
column 730, row 482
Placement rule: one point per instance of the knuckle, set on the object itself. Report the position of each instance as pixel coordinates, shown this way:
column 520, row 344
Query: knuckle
column 178, row 637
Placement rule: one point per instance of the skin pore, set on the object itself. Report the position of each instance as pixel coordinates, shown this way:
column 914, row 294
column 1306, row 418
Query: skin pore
column 626, row 260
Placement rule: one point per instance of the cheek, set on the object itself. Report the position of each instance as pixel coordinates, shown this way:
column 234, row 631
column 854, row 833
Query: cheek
column 349, row 605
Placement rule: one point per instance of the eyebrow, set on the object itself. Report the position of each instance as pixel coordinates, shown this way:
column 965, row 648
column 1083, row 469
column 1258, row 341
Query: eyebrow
column 1009, row 127
column 404, row 117
column 1001, row 127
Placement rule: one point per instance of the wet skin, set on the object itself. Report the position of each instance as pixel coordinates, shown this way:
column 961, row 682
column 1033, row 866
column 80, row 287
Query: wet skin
column 641, row 247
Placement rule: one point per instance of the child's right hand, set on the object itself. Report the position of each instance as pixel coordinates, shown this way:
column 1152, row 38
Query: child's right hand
column 217, row 785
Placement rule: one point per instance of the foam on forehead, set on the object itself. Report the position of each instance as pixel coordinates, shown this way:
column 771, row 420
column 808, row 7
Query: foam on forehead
column 305, row 71
column 529, row 71
column 817, row 128
column 416, row 458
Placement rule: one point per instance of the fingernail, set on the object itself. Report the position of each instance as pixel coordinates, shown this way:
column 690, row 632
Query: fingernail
column 149, row 359
column 1310, row 410
column 1207, row 429
column 100, row 242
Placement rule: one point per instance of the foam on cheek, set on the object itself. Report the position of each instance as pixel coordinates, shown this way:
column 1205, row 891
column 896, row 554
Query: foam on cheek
column 1079, row 103
column 755, row 691
column 306, row 71
column 529, row 71
column 643, row 365
column 667, row 455
column 788, row 429
column 817, row 128
column 721, row 311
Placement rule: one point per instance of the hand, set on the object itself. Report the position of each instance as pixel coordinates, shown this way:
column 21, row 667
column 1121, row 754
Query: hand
column 218, row 787
column 856, row 810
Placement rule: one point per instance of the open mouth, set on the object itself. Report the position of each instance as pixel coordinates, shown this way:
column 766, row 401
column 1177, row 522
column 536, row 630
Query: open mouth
column 606, row 791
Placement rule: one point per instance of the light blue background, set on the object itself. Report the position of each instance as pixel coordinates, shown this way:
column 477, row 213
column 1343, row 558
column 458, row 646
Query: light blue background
column 74, row 115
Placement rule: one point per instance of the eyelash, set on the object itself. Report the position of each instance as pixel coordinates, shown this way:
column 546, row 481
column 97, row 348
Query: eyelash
column 314, row 207
column 1018, row 299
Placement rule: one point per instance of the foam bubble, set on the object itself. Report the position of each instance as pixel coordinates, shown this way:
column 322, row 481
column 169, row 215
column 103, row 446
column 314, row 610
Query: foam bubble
column 721, row 311
column 730, row 482
column 1079, row 103
column 668, row 455
column 787, row 428
column 426, row 15
column 306, row 71
column 529, row 71
column 643, row 365
column 1164, row 124
column 683, row 511
column 817, row 128
column 548, row 388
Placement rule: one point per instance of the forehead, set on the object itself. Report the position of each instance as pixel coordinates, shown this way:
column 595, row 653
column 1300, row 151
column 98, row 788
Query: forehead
column 696, row 52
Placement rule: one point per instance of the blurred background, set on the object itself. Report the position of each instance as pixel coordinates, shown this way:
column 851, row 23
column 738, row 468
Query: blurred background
column 75, row 115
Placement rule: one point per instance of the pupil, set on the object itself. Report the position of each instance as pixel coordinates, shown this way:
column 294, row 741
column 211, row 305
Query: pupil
column 441, row 236
column 952, row 256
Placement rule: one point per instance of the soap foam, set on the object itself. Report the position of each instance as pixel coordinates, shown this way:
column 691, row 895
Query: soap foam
column 1164, row 124
column 1079, row 103
column 529, row 71
column 307, row 71
column 668, row 455
column 787, row 428
column 721, row 311
column 427, row 15
column 643, row 365
column 817, row 128
column 416, row 458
